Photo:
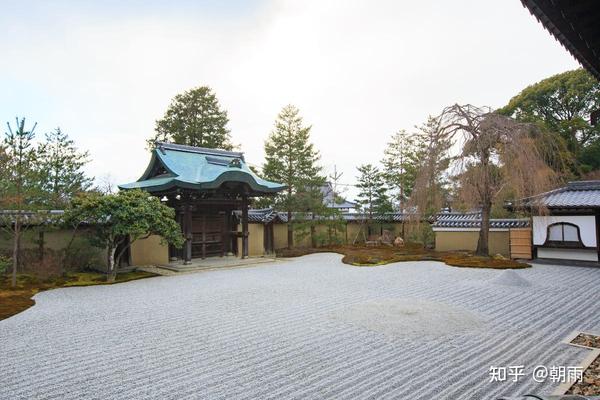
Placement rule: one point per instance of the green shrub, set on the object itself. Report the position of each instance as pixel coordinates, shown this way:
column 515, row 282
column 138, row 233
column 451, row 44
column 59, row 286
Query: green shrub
column 422, row 234
column 5, row 263
column 82, row 256
column 332, row 238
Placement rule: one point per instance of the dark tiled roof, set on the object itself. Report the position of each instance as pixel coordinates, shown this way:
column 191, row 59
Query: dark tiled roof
column 266, row 215
column 580, row 194
column 42, row 217
column 473, row 220
column 263, row 216
column 575, row 25
column 388, row 217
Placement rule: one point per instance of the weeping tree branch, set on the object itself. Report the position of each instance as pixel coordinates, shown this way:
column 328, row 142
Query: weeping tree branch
column 497, row 154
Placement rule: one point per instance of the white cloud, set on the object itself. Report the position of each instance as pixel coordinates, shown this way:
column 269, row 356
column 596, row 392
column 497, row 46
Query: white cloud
column 358, row 70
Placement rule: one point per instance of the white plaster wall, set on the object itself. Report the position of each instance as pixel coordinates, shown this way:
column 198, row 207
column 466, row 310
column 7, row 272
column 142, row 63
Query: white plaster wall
column 586, row 224
column 567, row 254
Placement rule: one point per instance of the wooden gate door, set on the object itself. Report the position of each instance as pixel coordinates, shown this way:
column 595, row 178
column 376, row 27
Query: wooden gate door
column 520, row 243
column 208, row 234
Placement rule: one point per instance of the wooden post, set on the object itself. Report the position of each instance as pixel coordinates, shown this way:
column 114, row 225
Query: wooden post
column 268, row 237
column 41, row 244
column 203, row 236
column 188, row 234
column 175, row 253
column 224, row 236
column 244, row 226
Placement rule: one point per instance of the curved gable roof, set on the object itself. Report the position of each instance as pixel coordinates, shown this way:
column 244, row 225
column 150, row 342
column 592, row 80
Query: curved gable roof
column 179, row 166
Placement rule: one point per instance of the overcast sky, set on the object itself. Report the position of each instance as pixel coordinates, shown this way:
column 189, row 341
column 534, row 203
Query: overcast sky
column 358, row 70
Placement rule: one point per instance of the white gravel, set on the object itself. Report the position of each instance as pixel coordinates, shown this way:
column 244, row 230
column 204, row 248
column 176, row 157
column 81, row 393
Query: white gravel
column 297, row 330
column 511, row 278
column 403, row 317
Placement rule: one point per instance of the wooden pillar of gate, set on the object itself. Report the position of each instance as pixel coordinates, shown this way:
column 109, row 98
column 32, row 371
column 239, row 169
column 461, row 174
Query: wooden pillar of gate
column 203, row 236
column 187, row 228
column 244, row 226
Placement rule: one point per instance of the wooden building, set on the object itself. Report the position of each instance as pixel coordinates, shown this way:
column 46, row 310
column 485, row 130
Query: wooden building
column 576, row 25
column 566, row 222
column 205, row 187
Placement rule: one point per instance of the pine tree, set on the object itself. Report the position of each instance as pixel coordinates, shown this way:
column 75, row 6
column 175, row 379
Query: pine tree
column 292, row 160
column 194, row 118
column 20, row 183
column 61, row 164
column 430, row 188
column 400, row 166
column 372, row 195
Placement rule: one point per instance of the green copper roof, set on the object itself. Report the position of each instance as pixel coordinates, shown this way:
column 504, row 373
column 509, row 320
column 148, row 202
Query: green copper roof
column 187, row 167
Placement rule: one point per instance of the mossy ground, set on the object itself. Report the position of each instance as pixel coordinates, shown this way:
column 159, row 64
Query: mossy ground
column 360, row 255
column 17, row 299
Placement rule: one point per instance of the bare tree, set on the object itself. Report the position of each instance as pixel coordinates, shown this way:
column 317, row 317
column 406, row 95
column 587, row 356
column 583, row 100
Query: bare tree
column 498, row 154
column 106, row 184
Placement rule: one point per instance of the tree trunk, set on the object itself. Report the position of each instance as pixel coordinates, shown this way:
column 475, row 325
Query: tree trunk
column 486, row 205
column 313, row 239
column 484, row 232
column 290, row 231
column 112, row 270
column 15, row 256
column 41, row 246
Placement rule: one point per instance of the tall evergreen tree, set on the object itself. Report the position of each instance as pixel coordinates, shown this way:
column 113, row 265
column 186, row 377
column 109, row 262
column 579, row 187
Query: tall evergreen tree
column 194, row 118
column 372, row 195
column 61, row 165
column 20, row 184
column 292, row 160
column 432, row 152
column 400, row 166
column 562, row 104
column 313, row 212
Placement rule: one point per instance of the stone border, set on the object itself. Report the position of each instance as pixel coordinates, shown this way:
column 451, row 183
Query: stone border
column 595, row 352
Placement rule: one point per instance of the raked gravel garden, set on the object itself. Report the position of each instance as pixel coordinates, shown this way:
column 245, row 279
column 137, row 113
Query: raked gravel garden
column 305, row 328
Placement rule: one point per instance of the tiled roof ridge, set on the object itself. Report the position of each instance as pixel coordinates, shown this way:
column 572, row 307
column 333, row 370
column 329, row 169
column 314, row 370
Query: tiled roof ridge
column 472, row 219
column 593, row 184
column 575, row 194
column 199, row 150
column 571, row 186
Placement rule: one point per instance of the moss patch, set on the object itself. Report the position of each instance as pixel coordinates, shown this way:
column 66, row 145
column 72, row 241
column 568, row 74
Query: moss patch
column 361, row 255
column 483, row 262
column 15, row 300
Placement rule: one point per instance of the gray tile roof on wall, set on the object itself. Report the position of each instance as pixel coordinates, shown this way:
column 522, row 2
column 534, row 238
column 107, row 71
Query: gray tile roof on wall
column 267, row 215
column 41, row 217
column 473, row 220
column 579, row 194
column 388, row 217
column 263, row 216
